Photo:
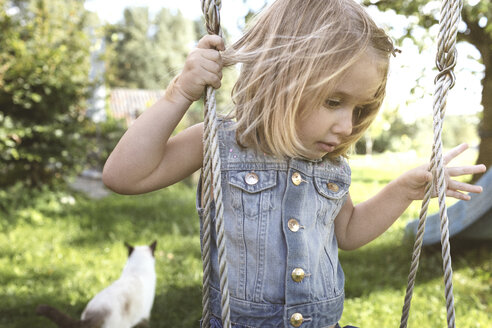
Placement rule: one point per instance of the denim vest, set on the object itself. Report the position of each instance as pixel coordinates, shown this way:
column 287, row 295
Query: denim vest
column 282, row 253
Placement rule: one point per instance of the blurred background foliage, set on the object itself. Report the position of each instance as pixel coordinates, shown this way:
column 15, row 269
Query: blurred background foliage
column 475, row 29
column 44, row 63
column 45, row 49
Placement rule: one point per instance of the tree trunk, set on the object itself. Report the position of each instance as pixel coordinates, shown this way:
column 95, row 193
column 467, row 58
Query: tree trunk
column 485, row 128
column 482, row 39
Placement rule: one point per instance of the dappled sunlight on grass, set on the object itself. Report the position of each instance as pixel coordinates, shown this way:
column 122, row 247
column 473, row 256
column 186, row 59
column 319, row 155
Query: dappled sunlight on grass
column 66, row 248
column 63, row 254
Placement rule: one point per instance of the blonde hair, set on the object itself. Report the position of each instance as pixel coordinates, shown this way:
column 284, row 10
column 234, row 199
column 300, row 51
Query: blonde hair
column 294, row 52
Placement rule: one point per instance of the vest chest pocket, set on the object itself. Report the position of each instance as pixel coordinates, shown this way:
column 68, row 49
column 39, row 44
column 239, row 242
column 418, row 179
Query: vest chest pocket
column 251, row 191
column 331, row 196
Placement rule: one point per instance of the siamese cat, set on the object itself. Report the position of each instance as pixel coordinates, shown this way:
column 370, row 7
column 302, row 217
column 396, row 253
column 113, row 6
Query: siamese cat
column 125, row 303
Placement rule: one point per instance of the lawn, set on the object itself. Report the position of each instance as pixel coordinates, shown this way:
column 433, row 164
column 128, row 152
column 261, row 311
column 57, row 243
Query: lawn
column 66, row 247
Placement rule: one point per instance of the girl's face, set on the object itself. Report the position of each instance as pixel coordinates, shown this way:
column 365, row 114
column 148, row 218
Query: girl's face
column 324, row 128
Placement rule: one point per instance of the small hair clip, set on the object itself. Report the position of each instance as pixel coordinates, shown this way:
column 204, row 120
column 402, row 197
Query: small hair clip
column 395, row 51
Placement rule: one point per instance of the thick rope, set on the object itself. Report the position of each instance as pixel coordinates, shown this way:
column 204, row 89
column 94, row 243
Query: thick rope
column 445, row 62
column 212, row 181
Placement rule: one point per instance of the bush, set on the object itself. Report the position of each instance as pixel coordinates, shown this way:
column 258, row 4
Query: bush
column 102, row 138
column 44, row 64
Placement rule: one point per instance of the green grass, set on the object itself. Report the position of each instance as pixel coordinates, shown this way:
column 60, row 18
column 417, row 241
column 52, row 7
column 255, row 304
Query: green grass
column 65, row 248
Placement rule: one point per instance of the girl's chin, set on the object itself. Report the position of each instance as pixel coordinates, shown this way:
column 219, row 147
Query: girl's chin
column 318, row 151
column 315, row 155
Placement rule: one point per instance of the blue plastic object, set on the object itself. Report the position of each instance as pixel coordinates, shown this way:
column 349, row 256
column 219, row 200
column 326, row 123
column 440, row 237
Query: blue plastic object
column 470, row 219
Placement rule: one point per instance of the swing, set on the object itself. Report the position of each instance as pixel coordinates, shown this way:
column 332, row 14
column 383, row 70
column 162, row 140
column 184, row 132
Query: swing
column 445, row 62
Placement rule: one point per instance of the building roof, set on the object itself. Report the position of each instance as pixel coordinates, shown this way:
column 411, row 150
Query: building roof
column 130, row 103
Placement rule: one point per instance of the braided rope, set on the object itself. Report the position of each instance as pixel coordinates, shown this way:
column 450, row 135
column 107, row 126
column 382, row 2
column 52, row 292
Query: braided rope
column 212, row 181
column 445, row 62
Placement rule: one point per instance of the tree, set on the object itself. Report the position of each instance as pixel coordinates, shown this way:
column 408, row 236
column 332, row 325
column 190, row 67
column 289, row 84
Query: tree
column 174, row 37
column 44, row 63
column 475, row 14
column 145, row 53
column 132, row 67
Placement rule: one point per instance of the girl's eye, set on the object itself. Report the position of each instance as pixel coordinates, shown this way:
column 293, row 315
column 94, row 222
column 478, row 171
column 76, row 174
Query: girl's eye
column 333, row 103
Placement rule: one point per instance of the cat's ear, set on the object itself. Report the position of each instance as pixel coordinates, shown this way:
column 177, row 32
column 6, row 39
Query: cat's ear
column 152, row 246
column 130, row 248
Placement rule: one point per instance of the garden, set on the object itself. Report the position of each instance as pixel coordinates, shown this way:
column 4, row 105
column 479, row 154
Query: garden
column 60, row 246
column 66, row 247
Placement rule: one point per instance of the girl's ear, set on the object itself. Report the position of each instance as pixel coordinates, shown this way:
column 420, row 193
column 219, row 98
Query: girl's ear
column 152, row 246
column 130, row 248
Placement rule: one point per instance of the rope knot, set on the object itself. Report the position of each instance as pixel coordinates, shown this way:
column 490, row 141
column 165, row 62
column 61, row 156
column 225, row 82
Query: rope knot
column 446, row 64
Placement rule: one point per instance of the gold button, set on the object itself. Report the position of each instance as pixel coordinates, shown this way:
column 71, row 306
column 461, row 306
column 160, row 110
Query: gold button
column 296, row 178
column 251, row 178
column 293, row 225
column 332, row 186
column 296, row 319
column 298, row 274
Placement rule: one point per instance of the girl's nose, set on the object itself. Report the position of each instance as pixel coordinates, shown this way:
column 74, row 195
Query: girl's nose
column 343, row 125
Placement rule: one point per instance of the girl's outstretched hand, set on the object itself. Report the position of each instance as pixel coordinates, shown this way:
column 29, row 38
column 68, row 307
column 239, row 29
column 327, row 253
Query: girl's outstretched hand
column 414, row 181
column 203, row 67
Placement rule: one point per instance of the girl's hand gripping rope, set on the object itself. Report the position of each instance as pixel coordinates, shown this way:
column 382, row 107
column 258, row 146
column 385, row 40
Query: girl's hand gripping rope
column 414, row 181
column 203, row 67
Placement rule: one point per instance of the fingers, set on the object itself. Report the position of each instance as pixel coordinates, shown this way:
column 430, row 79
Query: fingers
column 453, row 153
column 456, row 188
column 209, row 60
column 203, row 67
column 210, row 78
column 417, row 178
column 212, row 71
column 212, row 61
column 464, row 170
column 463, row 186
column 211, row 42
column 457, row 195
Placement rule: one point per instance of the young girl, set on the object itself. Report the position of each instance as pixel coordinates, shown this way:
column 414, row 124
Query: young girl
column 313, row 76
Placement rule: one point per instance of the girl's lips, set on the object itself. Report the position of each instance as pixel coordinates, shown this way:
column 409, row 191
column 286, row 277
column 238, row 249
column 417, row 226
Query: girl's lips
column 326, row 147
